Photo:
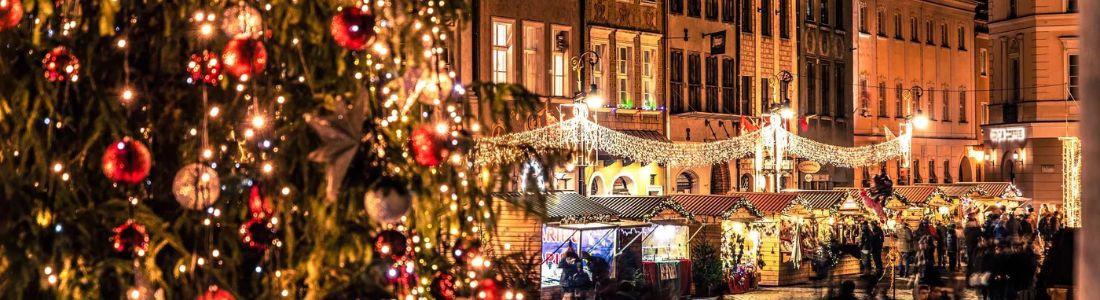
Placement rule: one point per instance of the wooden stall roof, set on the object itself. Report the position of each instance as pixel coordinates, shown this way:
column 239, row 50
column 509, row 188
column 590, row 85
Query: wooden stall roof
column 641, row 208
column 719, row 206
column 914, row 195
column 822, row 199
column 993, row 189
column 563, row 206
column 768, row 202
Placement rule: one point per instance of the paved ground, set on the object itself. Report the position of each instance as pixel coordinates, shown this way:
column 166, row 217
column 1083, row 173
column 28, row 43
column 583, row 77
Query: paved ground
column 820, row 290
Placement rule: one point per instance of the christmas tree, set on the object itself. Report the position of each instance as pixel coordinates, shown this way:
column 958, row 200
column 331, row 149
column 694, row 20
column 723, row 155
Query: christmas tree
column 244, row 149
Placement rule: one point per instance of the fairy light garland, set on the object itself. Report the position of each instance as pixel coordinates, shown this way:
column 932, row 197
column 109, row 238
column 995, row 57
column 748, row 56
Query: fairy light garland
column 576, row 132
column 1071, row 180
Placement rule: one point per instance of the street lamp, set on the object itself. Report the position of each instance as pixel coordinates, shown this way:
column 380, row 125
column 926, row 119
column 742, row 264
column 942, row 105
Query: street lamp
column 920, row 120
column 583, row 101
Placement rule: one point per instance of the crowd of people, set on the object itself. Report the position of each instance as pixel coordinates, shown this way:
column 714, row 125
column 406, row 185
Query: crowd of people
column 999, row 257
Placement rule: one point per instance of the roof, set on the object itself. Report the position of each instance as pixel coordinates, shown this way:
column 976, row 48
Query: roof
column 711, row 205
column 822, row 199
column 995, row 189
column 768, row 202
column 639, row 207
column 957, row 190
column 914, row 195
column 563, row 205
column 646, row 134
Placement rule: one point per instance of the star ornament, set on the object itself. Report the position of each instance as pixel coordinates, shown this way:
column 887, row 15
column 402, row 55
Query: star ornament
column 341, row 134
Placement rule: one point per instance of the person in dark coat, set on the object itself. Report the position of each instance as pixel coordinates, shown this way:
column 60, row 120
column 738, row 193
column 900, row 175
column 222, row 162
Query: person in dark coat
column 866, row 239
column 570, row 265
column 600, row 269
column 878, row 238
column 941, row 245
column 972, row 234
column 926, row 261
column 951, row 238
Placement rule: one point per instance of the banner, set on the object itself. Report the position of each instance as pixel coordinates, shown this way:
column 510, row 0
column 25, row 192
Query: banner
column 598, row 242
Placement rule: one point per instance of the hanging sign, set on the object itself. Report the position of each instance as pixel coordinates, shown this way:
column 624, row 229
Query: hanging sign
column 1007, row 134
column 809, row 167
column 718, row 42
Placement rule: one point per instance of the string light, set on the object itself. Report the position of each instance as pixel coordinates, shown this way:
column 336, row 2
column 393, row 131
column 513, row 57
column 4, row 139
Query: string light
column 1071, row 180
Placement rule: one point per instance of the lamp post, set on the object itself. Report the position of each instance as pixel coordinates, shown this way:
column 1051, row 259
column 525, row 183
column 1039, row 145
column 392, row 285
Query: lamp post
column 583, row 101
column 780, row 116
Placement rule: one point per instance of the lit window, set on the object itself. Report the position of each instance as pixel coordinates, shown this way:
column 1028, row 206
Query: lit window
column 598, row 70
column 623, row 72
column 647, row 80
column 532, row 61
column 560, row 62
column 502, row 52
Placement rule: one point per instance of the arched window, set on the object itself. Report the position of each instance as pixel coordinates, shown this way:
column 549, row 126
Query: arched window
column 622, row 186
column 597, row 186
column 685, row 183
column 745, row 183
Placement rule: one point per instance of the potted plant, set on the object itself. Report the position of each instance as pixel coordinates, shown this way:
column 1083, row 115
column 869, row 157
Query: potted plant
column 706, row 270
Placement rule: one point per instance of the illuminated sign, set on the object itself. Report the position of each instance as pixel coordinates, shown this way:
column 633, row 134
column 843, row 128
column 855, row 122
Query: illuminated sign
column 1007, row 134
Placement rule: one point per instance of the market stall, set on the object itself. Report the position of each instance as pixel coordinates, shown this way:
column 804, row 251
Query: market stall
column 908, row 204
column 785, row 244
column 654, row 233
column 995, row 198
column 531, row 242
column 730, row 224
column 825, row 208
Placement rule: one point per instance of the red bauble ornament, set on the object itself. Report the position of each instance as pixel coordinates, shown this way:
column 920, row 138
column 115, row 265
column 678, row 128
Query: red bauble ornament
column 258, row 203
column 487, row 289
column 127, row 161
column 60, row 65
column 428, row 147
column 258, row 233
column 205, row 68
column 11, row 12
column 443, row 286
column 130, row 236
column 244, row 56
column 215, row 293
column 353, row 27
column 392, row 244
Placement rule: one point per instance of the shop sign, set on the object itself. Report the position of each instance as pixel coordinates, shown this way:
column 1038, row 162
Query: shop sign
column 1007, row 134
column 809, row 167
column 597, row 242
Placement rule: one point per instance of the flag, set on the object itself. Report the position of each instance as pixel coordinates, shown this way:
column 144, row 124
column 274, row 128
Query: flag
column 872, row 204
column 747, row 126
column 803, row 123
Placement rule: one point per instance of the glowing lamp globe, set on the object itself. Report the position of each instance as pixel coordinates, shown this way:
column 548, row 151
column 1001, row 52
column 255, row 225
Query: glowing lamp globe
column 127, row 161
column 920, row 121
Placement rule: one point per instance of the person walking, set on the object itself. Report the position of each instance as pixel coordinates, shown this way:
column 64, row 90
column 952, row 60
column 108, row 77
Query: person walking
column 972, row 235
column 866, row 239
column 571, row 273
column 903, row 239
column 878, row 239
column 941, row 245
column 951, row 238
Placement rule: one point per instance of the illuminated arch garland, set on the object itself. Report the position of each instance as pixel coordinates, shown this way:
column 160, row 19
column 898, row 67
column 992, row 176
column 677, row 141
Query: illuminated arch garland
column 578, row 133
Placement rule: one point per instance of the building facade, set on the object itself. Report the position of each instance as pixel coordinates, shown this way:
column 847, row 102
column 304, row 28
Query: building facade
column 916, row 58
column 825, row 59
column 1034, row 59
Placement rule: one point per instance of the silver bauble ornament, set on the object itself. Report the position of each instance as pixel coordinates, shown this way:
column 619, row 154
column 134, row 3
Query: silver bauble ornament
column 387, row 204
column 196, row 186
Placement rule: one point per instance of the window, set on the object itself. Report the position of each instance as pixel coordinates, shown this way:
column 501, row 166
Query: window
column 824, row 12
column 931, row 104
column 882, row 99
column 825, row 95
column 916, row 172
column 810, row 99
column 1015, row 73
column 897, row 27
column 712, row 9
column 727, row 11
column 1072, row 77
column 648, row 87
column 728, row 106
column 623, row 77
column 839, row 21
column 765, row 93
column 621, row 186
column 946, row 105
column 599, row 70
column 676, row 7
column 694, row 8
column 712, row 83
column 864, row 97
column 676, row 80
column 881, row 22
column 982, row 61
column 929, row 36
column 932, row 171
column 863, row 17
column 746, row 15
column 841, row 87
column 694, row 82
column 943, row 36
column 947, row 171
column 810, row 11
column 766, row 17
column 746, row 95
column 899, row 101
column 962, row 38
column 1071, row 6
column 502, row 52
column 914, row 34
column 685, row 183
column 784, row 19
column 532, row 61
column 559, row 72
column 1012, row 8
column 962, row 106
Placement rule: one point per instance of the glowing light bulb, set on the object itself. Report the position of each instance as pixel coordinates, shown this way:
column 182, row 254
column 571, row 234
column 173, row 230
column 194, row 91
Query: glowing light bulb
column 206, row 29
column 268, row 167
column 920, row 121
column 57, row 167
column 258, row 122
column 786, row 113
column 594, row 101
column 207, row 154
column 214, row 111
column 134, row 293
column 121, row 43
